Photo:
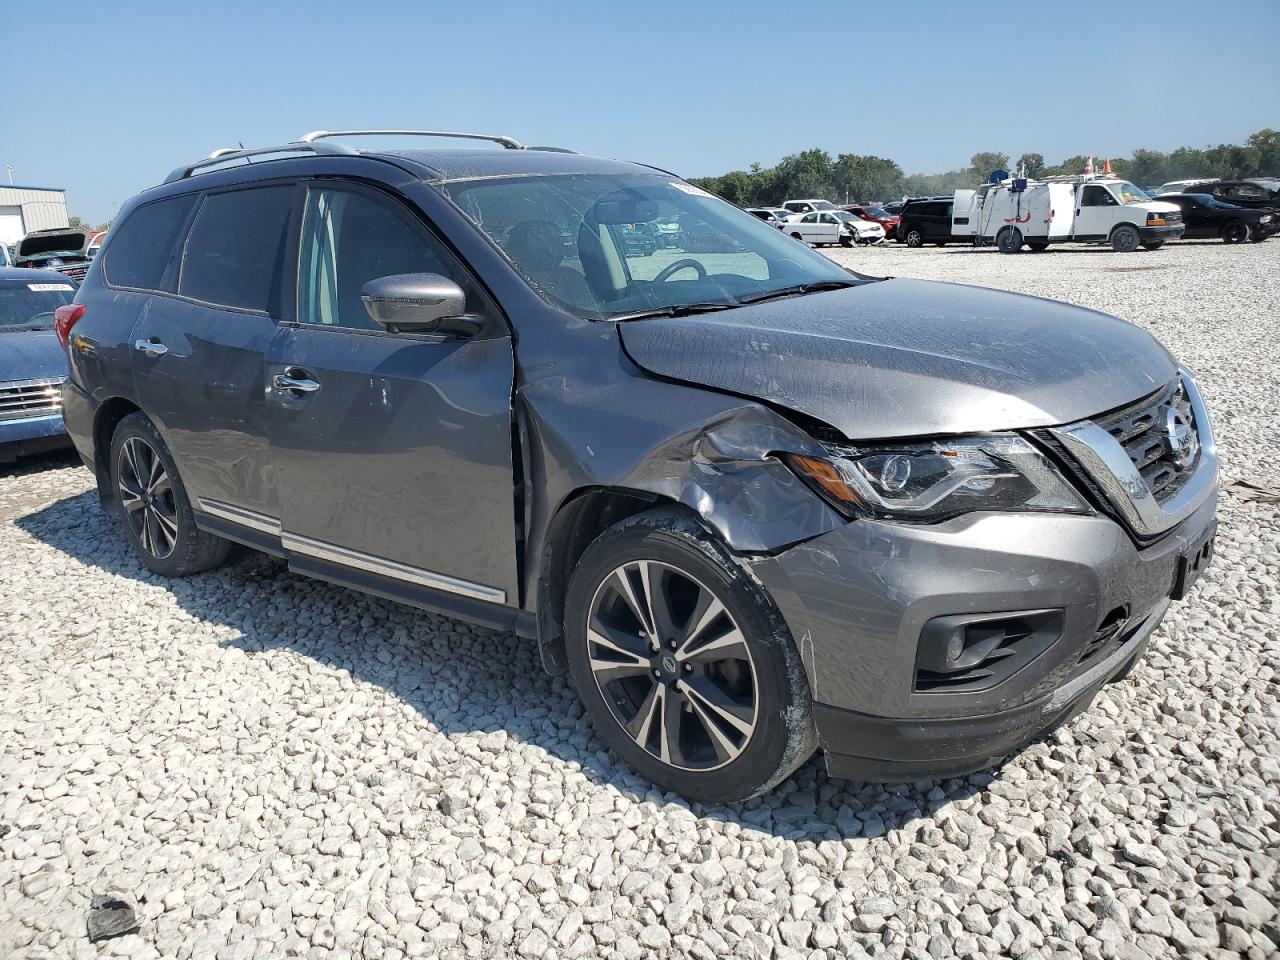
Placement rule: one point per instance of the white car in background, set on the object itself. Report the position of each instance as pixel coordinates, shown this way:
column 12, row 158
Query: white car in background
column 832, row 227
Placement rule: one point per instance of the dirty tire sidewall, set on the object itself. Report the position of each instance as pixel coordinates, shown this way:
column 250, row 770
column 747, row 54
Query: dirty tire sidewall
column 1009, row 240
column 784, row 737
column 1125, row 239
column 194, row 550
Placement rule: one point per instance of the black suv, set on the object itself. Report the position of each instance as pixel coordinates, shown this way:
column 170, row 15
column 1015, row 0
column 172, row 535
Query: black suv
column 927, row 221
column 720, row 483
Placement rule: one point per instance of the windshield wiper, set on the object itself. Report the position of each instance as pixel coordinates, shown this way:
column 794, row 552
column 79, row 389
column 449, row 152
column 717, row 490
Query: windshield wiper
column 677, row 310
column 800, row 289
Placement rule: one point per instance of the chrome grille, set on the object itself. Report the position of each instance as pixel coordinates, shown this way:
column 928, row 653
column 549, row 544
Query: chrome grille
column 1160, row 437
column 25, row 399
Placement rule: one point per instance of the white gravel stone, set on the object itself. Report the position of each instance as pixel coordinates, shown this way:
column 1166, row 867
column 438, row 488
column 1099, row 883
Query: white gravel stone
column 267, row 766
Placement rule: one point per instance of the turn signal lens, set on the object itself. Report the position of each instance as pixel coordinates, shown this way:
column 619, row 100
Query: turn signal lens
column 64, row 318
column 824, row 475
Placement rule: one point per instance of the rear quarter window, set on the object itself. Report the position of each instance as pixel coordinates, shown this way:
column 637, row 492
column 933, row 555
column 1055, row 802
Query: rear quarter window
column 235, row 251
column 142, row 246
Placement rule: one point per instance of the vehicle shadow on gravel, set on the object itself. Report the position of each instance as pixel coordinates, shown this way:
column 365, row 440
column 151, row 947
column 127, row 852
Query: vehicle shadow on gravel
column 465, row 679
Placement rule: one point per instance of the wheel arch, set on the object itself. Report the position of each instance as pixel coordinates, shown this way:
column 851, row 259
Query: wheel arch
column 107, row 417
column 585, row 514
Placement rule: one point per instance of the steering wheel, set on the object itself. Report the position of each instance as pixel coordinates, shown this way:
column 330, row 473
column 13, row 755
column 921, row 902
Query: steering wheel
column 666, row 272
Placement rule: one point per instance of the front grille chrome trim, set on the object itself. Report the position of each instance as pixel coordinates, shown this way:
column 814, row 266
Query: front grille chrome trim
column 1107, row 463
column 23, row 400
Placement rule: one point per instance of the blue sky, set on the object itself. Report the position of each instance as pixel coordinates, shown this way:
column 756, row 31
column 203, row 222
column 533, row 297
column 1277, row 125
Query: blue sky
column 104, row 99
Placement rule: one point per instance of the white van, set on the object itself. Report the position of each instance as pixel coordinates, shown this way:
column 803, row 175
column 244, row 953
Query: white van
column 1086, row 209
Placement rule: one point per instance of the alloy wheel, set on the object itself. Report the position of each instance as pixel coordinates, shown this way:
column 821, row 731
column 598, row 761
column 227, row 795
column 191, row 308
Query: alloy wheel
column 146, row 494
column 672, row 665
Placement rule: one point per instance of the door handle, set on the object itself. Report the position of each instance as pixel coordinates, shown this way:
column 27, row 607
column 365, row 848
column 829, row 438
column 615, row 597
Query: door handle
column 152, row 348
column 285, row 383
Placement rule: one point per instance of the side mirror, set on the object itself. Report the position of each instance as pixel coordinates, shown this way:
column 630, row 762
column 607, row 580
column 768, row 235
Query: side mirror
column 416, row 303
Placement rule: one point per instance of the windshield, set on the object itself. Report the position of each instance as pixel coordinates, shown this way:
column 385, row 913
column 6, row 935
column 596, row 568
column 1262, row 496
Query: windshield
column 30, row 306
column 876, row 211
column 1128, row 193
column 573, row 237
column 822, row 204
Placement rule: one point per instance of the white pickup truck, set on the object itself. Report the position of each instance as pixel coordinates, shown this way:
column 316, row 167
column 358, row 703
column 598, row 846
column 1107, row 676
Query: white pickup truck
column 1086, row 209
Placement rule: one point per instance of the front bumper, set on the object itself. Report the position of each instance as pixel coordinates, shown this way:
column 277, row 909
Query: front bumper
column 857, row 601
column 1169, row 231
column 30, row 435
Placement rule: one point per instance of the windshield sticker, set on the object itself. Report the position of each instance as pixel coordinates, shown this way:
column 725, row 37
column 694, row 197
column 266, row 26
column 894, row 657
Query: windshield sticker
column 46, row 287
column 690, row 189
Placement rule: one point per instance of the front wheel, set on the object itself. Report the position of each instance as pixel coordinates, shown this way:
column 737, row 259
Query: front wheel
column 848, row 241
column 683, row 662
column 1125, row 238
column 1037, row 246
column 158, row 520
column 1153, row 245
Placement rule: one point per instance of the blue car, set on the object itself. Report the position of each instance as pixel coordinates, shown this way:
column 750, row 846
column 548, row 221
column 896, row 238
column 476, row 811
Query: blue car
column 33, row 364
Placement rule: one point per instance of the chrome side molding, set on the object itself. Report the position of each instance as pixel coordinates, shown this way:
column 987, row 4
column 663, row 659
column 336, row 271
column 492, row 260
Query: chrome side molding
column 1107, row 463
column 246, row 518
column 322, row 550
column 343, row 556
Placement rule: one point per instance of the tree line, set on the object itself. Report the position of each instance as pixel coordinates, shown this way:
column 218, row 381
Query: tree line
column 851, row 177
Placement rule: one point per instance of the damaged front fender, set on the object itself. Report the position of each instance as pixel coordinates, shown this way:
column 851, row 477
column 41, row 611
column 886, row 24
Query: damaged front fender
column 716, row 454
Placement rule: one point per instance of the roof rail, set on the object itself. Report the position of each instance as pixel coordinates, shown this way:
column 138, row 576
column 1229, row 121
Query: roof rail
column 225, row 154
column 509, row 142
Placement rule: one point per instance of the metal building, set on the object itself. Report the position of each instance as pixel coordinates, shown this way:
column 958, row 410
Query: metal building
column 23, row 209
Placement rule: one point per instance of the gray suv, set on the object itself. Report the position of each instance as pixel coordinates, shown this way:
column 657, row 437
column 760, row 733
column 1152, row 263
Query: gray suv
column 752, row 503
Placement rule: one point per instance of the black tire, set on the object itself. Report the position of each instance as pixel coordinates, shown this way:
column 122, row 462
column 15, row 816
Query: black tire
column 1009, row 240
column 796, row 236
column 1037, row 246
column 1152, row 244
column 846, row 242
column 1125, row 238
column 914, row 237
column 166, row 539
column 686, row 562
column 1237, row 231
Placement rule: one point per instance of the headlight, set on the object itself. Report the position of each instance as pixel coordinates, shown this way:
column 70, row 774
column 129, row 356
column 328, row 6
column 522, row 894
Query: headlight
column 938, row 479
column 1265, row 218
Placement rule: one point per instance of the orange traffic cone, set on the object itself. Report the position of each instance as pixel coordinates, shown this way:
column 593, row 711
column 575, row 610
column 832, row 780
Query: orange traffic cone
column 1106, row 165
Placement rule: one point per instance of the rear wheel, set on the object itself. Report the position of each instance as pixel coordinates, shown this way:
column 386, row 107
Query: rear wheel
column 683, row 663
column 1153, row 245
column 914, row 237
column 1125, row 238
column 1009, row 240
column 1037, row 246
column 158, row 520
column 1237, row 231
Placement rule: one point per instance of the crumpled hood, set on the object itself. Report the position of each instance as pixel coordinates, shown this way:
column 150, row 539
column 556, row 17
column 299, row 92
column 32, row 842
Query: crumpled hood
column 31, row 355
column 900, row 358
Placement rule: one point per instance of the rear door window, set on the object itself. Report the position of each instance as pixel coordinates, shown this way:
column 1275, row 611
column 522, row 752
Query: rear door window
column 235, row 252
column 143, row 246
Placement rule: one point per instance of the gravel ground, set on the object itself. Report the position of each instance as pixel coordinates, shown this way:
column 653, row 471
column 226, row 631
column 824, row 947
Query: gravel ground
column 266, row 766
